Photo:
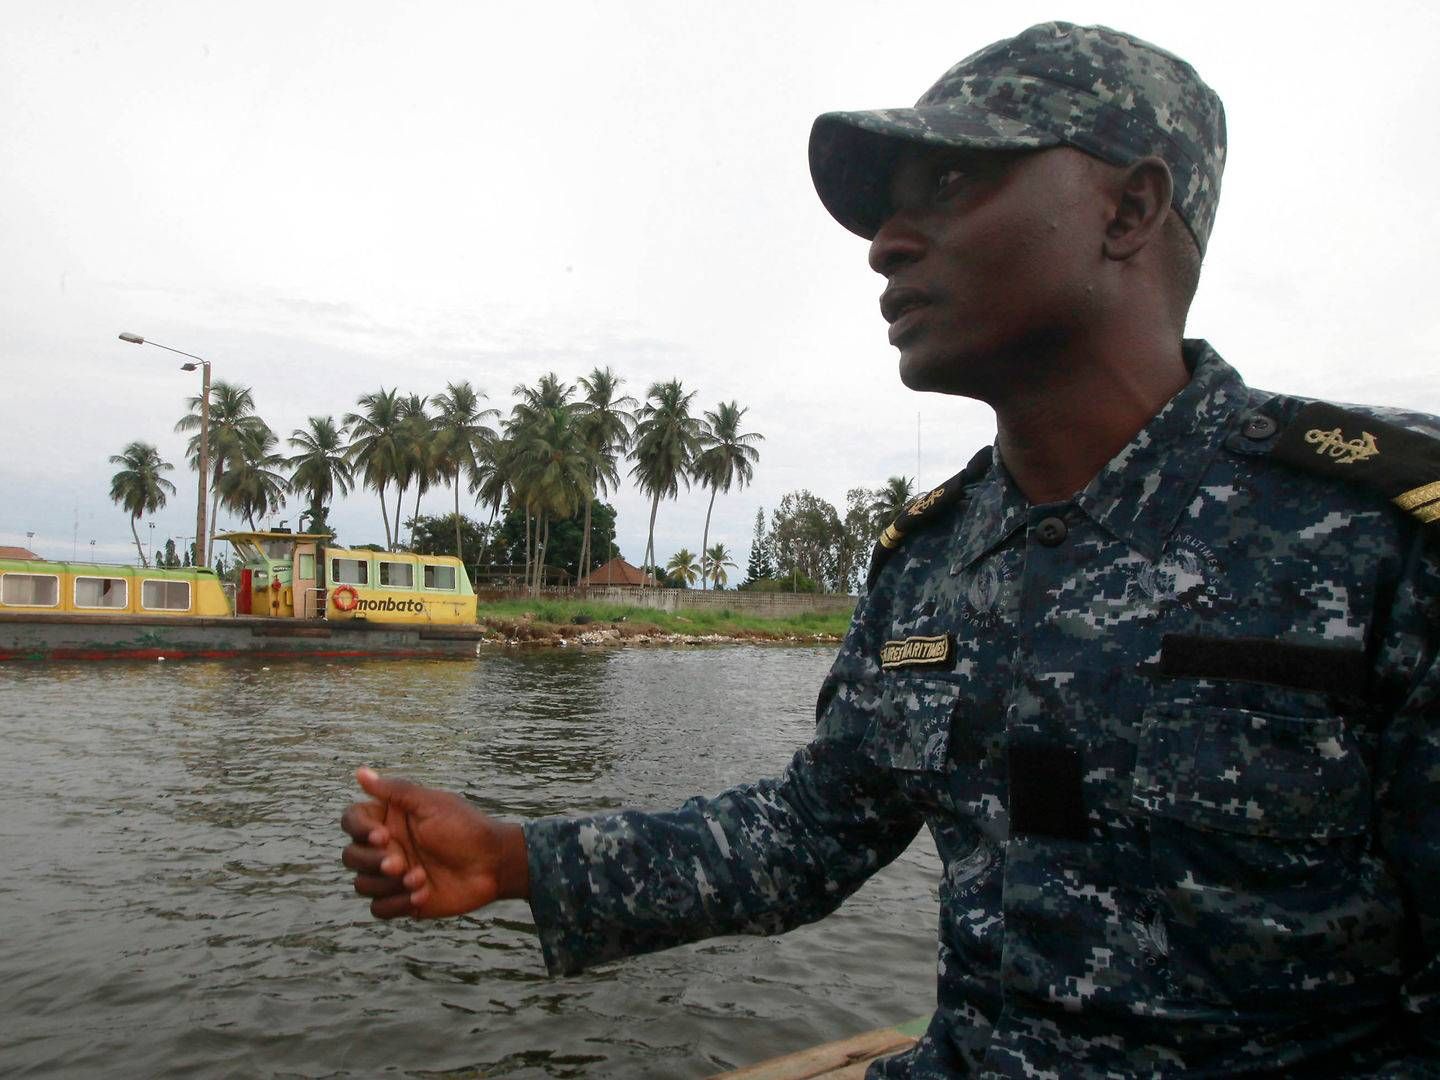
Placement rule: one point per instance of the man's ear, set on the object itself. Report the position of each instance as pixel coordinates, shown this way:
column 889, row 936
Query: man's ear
column 1142, row 202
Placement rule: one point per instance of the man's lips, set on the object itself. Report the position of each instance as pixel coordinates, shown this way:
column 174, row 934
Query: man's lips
column 897, row 301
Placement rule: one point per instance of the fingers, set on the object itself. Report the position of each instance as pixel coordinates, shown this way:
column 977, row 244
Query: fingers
column 364, row 822
column 392, row 907
column 379, row 886
column 386, row 788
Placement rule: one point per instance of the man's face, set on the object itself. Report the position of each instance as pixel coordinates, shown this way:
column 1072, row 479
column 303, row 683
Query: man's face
column 991, row 262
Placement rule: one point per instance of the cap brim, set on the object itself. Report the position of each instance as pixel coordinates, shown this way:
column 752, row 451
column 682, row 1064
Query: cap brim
column 852, row 154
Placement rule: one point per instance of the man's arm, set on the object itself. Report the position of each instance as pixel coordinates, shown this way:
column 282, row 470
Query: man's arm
column 1407, row 792
column 758, row 859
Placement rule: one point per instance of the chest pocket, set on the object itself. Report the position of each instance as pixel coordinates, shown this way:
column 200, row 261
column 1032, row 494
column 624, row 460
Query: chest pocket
column 1252, row 773
column 911, row 730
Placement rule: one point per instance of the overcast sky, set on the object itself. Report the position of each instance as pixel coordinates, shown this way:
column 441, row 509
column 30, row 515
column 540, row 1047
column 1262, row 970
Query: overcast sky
column 327, row 198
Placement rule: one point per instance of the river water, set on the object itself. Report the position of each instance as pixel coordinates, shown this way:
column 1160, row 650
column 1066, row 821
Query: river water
column 173, row 902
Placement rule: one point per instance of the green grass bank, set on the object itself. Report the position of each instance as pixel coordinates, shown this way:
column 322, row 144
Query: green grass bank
column 544, row 619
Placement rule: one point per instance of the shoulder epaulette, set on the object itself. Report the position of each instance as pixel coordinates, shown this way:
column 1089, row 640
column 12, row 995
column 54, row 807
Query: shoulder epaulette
column 921, row 511
column 1401, row 465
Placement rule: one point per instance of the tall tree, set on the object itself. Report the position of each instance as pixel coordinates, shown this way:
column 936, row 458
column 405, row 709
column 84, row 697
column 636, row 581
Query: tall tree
column 232, row 416
column 727, row 456
column 667, row 438
column 759, row 566
column 252, row 483
column 462, row 435
column 140, row 486
column 556, row 466
column 715, row 562
column 418, row 464
column 320, row 468
column 536, row 409
column 605, row 424
column 804, row 536
column 376, row 446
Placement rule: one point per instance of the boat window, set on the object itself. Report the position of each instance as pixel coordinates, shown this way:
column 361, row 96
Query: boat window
column 307, row 567
column 349, row 572
column 440, row 577
column 279, row 549
column 246, row 550
column 161, row 595
column 30, row 590
column 101, row 592
column 398, row 575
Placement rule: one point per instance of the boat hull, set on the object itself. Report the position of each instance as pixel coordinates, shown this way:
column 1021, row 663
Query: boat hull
column 157, row 637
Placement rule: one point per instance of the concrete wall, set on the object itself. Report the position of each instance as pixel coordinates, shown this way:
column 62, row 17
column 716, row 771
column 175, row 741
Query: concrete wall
column 776, row 605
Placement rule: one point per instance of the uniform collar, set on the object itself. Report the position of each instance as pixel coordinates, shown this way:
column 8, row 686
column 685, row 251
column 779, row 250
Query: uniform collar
column 1140, row 493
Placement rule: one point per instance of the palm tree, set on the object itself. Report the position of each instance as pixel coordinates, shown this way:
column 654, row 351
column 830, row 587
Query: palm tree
column 251, row 484
column 727, row 457
column 605, row 424
column 491, row 483
column 321, row 466
column 715, row 562
column 682, row 567
column 139, row 487
column 534, row 412
column 461, row 438
column 666, row 441
column 376, row 446
column 418, row 461
column 232, row 416
column 554, row 467
column 889, row 500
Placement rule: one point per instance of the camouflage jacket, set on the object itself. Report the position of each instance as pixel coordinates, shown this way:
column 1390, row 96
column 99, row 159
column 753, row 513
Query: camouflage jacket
column 1176, row 740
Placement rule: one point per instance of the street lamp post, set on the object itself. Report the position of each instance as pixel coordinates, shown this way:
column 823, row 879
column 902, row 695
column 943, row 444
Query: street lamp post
column 204, row 365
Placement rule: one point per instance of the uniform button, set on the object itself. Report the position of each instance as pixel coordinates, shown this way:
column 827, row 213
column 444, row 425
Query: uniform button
column 1258, row 427
column 1050, row 531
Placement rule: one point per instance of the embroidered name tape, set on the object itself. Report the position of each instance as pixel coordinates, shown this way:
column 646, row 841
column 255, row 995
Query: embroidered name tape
column 917, row 651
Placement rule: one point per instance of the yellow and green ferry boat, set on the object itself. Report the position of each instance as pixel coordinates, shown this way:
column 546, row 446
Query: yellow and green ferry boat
column 295, row 596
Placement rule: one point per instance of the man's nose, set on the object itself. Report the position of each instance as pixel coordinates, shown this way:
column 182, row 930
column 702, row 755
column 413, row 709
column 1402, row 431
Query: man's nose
column 896, row 242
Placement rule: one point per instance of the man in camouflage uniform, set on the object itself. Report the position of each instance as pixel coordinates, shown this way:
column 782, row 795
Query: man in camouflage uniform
column 1158, row 672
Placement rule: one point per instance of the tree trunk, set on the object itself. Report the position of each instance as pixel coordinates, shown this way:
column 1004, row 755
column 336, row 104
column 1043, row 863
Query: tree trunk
column 528, row 554
column 457, row 514
column 584, row 567
column 385, row 514
column 650, row 539
column 705, row 538
column 138, row 549
column 420, row 490
column 214, row 515
column 399, row 513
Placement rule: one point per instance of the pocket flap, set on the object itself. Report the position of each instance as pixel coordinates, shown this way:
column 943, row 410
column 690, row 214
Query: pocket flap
column 1252, row 772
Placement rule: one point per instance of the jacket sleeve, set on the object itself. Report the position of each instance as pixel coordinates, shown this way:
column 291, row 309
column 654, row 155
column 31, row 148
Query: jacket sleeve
column 1407, row 796
column 758, row 859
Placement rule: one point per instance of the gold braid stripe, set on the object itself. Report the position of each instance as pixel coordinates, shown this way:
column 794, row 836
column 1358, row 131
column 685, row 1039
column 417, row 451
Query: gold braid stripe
column 891, row 537
column 1428, row 513
column 1409, row 500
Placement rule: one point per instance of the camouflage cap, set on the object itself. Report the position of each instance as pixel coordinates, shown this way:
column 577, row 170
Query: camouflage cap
column 1106, row 93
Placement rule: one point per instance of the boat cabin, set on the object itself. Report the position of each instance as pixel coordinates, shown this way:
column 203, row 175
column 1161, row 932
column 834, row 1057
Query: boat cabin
column 40, row 587
column 287, row 575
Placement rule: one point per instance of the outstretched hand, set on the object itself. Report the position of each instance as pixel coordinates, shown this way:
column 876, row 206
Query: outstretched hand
column 425, row 853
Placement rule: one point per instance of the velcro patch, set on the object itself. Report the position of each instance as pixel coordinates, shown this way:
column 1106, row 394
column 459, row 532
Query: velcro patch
column 1046, row 790
column 917, row 652
column 1331, row 669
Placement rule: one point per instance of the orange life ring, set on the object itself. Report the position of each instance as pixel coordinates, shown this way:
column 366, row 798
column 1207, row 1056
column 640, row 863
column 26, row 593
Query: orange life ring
column 345, row 598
